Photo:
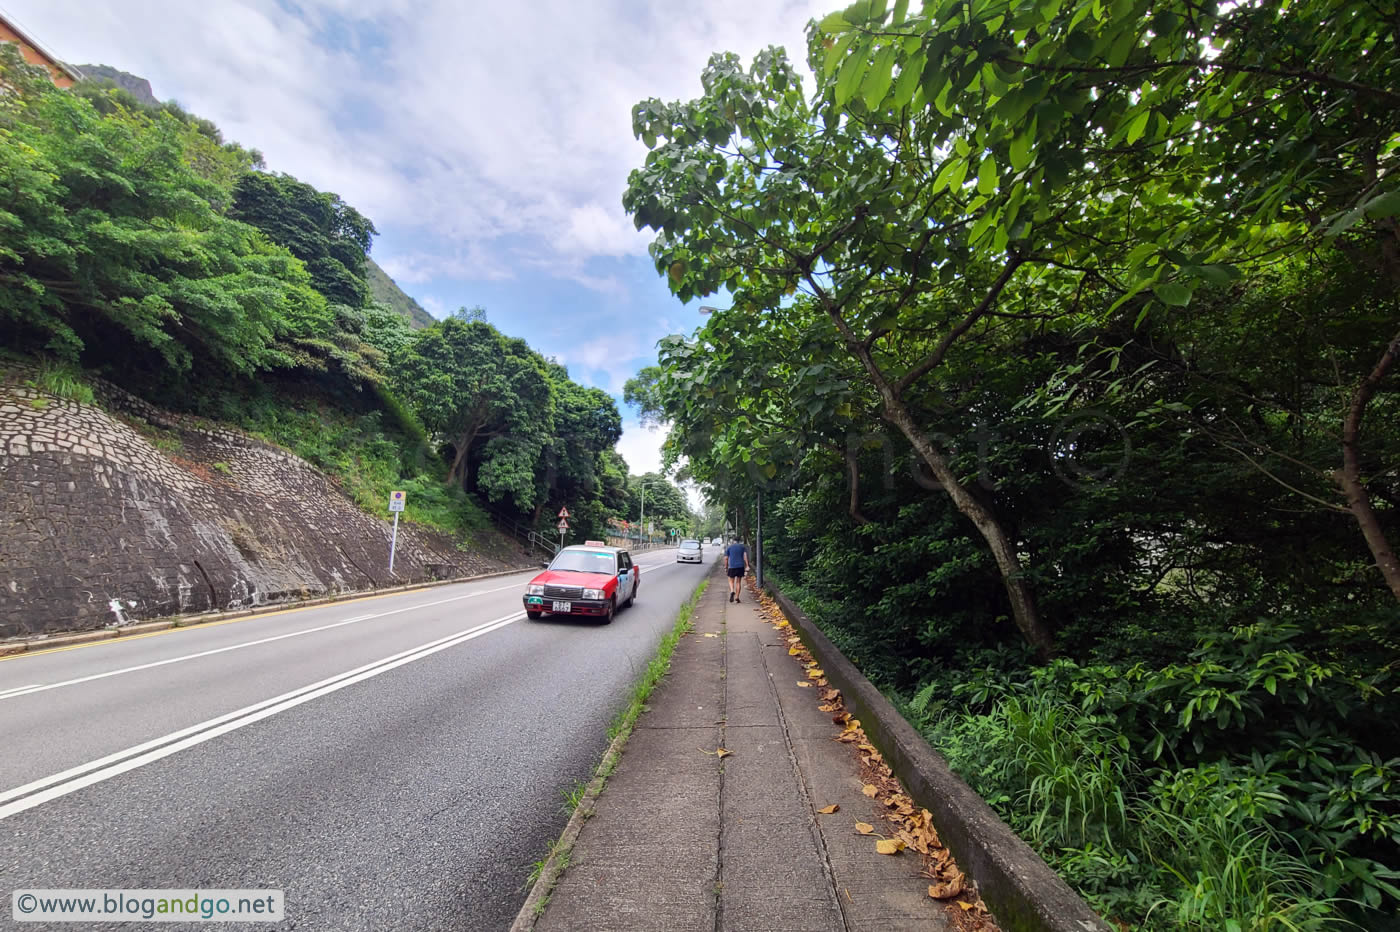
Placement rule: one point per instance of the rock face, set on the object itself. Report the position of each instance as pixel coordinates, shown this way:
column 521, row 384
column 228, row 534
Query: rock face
column 168, row 515
column 137, row 87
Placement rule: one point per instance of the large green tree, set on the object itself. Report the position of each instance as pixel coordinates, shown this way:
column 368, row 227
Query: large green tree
column 115, row 244
column 472, row 385
column 328, row 235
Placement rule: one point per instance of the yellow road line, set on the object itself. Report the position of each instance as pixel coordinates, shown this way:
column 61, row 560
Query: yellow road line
column 120, row 639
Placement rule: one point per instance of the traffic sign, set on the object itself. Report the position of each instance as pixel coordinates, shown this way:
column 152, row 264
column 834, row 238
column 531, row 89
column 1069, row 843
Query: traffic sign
column 397, row 500
column 563, row 524
column 564, row 512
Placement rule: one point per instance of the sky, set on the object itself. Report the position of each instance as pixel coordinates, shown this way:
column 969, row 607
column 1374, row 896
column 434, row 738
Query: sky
column 489, row 142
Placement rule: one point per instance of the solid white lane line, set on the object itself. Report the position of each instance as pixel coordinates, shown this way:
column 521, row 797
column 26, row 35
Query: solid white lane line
column 26, row 690
column 340, row 679
column 16, row 689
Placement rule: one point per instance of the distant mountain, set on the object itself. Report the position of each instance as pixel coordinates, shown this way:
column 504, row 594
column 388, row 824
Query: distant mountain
column 137, row 87
column 383, row 289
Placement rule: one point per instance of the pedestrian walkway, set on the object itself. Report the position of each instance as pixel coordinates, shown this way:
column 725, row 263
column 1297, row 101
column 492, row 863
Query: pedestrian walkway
column 765, row 834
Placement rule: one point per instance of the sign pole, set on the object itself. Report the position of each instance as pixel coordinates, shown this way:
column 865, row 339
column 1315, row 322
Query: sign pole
column 393, row 543
column 397, row 500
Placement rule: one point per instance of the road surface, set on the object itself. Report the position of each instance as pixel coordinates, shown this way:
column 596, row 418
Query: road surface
column 392, row 762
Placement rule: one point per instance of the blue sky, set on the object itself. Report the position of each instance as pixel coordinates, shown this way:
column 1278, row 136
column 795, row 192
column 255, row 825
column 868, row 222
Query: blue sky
column 489, row 142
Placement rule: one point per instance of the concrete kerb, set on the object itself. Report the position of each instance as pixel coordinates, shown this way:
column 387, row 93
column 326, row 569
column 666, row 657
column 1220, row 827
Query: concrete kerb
column 549, row 874
column 8, row 648
column 1020, row 889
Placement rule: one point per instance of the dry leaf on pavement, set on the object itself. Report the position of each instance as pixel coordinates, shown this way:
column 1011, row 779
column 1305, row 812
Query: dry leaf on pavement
column 946, row 890
column 869, row 790
column 828, row 810
column 865, row 828
column 804, row 684
column 889, row 846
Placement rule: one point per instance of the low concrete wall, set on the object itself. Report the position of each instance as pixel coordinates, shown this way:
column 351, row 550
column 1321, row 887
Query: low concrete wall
column 1021, row 890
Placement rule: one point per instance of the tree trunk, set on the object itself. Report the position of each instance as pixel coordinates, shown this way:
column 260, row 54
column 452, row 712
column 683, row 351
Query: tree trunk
column 459, row 462
column 853, row 482
column 1349, row 476
column 1023, row 608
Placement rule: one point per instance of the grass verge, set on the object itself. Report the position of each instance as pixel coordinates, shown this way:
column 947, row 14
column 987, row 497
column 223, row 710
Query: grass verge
column 544, row 874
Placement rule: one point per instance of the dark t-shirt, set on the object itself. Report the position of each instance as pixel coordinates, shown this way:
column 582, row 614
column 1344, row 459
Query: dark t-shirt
column 736, row 553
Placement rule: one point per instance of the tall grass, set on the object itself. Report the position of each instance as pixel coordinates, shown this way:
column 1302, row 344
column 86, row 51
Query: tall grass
column 1188, row 849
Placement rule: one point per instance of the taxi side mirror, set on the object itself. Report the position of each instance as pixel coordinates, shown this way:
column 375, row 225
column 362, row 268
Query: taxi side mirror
column 544, row 566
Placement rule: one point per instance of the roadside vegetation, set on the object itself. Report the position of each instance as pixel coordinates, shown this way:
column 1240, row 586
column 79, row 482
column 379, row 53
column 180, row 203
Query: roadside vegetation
column 139, row 246
column 1061, row 346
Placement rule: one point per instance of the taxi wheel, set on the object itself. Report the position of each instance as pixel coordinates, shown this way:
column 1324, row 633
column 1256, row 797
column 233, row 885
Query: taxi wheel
column 632, row 597
column 534, row 616
column 612, row 610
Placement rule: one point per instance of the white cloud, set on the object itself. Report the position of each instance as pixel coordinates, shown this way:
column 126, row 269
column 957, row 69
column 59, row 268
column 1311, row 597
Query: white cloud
column 641, row 447
column 500, row 131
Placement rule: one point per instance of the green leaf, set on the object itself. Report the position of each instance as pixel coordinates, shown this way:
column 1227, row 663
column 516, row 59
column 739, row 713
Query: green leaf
column 1136, row 127
column 901, row 11
column 1020, row 152
column 834, row 22
column 1384, row 205
column 987, row 176
column 837, row 50
column 848, row 80
column 1173, row 294
column 877, row 80
column 910, row 75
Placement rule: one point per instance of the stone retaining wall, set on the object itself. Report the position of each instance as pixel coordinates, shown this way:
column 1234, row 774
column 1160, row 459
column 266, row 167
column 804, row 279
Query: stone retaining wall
column 91, row 511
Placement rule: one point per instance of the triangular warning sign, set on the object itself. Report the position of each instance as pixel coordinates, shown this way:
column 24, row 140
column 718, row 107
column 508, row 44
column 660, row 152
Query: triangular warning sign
column 564, row 512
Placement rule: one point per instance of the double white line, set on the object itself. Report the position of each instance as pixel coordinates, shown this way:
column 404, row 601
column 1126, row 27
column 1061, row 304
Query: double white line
column 26, row 797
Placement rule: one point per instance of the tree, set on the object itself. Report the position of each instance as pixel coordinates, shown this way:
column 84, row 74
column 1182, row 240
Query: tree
column 115, row 238
column 1049, row 104
column 802, row 200
column 469, row 384
column 320, row 229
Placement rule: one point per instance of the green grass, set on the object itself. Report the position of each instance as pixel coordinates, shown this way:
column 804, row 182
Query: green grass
column 1187, row 852
column 655, row 670
column 63, row 381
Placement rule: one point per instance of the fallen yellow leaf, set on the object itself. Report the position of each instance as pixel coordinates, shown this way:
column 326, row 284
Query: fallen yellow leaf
column 816, row 672
column 828, row 810
column 793, row 651
column 869, row 790
column 963, row 903
column 889, row 846
column 722, row 753
column 947, row 890
column 711, row 634
column 804, row 684
column 865, row 828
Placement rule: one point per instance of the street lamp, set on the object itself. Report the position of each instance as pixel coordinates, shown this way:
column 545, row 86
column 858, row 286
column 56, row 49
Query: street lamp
column 706, row 309
column 642, row 523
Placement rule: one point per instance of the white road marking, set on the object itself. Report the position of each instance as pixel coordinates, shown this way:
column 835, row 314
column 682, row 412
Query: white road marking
column 27, row 690
column 4, row 693
column 84, row 775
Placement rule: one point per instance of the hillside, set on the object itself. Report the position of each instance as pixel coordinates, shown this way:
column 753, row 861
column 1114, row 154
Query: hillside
column 134, row 85
column 383, row 289
column 173, row 514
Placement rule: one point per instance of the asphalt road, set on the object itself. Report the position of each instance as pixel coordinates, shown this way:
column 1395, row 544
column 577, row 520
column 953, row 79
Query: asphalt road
column 391, row 763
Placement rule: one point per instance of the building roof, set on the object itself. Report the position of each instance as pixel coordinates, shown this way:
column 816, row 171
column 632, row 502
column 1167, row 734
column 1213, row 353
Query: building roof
column 28, row 38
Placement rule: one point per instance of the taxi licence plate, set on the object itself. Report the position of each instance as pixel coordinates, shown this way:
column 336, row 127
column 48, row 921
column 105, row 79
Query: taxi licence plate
column 562, row 607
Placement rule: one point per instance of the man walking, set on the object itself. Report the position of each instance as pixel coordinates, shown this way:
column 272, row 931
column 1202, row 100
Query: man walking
column 738, row 557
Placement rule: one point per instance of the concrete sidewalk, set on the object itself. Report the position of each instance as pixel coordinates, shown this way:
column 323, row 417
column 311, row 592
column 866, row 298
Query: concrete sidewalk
column 683, row 838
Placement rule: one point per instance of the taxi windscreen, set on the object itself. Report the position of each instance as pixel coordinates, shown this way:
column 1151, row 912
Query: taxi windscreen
column 585, row 561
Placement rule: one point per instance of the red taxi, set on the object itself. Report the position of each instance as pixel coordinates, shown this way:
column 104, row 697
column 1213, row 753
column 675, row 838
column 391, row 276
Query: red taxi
column 592, row 579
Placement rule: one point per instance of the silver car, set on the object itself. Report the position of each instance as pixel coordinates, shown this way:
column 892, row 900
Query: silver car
column 689, row 552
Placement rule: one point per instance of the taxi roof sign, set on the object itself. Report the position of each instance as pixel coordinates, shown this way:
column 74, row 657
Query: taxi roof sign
column 594, row 543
